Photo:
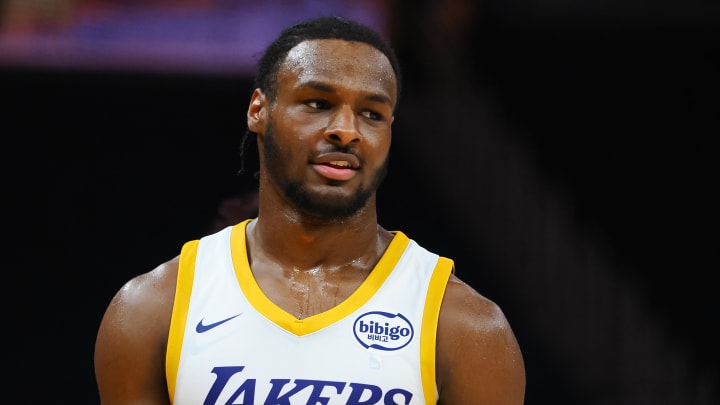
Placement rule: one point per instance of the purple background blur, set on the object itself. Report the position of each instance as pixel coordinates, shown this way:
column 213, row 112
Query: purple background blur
column 195, row 36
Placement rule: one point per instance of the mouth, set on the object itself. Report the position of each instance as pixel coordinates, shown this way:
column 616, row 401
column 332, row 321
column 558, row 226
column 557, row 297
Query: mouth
column 338, row 160
column 340, row 164
column 337, row 170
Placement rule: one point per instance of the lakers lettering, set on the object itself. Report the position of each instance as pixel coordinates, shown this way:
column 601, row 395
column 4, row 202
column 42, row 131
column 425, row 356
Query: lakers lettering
column 227, row 390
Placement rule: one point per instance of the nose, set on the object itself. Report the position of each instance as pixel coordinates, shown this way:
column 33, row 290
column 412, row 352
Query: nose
column 343, row 127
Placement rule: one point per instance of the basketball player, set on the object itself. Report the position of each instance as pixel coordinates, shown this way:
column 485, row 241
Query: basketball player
column 312, row 301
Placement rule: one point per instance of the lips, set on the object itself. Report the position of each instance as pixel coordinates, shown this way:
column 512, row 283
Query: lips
column 337, row 165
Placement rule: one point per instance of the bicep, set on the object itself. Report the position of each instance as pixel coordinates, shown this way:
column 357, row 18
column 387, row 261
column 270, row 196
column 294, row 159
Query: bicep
column 130, row 344
column 479, row 358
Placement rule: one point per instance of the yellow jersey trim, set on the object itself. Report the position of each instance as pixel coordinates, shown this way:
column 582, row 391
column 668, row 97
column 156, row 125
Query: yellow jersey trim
column 431, row 315
column 185, row 276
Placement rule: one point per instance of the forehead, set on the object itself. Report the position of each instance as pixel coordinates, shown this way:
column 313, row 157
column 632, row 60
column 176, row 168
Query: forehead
column 339, row 62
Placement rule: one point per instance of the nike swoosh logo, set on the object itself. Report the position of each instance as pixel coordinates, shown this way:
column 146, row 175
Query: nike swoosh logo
column 201, row 328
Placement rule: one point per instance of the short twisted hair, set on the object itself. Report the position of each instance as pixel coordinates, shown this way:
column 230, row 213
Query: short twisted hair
column 318, row 28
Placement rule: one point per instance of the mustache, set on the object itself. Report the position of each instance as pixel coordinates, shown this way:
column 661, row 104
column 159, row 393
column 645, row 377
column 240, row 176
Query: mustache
column 341, row 149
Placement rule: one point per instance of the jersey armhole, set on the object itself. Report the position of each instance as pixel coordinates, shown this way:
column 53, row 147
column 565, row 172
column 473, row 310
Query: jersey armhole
column 181, row 303
column 428, row 348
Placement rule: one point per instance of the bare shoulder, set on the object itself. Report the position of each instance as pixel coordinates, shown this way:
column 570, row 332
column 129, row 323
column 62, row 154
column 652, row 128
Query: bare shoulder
column 131, row 340
column 145, row 297
column 478, row 357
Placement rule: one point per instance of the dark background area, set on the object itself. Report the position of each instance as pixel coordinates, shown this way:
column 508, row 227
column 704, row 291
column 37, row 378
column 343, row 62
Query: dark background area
column 108, row 173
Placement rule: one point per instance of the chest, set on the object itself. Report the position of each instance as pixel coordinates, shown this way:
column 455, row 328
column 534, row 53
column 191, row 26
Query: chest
column 308, row 293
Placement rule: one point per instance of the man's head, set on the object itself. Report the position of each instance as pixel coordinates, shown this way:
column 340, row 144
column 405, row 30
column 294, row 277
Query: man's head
column 322, row 115
column 316, row 28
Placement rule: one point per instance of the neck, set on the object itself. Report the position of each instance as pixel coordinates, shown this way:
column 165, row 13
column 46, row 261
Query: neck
column 291, row 240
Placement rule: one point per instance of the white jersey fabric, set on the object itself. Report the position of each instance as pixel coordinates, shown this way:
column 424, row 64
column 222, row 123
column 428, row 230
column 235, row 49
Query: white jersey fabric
column 229, row 344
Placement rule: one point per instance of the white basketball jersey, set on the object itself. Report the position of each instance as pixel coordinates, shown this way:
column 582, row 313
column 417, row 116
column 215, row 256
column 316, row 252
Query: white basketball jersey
column 229, row 344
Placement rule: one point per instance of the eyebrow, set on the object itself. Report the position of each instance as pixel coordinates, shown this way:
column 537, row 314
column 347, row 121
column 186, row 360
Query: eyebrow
column 377, row 97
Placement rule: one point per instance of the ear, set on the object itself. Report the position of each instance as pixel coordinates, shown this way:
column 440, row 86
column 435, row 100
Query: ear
column 257, row 112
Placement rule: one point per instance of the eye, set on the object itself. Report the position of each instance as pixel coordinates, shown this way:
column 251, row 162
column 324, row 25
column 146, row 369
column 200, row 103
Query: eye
column 372, row 115
column 318, row 104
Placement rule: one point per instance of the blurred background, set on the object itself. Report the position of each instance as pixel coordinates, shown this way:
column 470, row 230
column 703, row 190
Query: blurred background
column 561, row 152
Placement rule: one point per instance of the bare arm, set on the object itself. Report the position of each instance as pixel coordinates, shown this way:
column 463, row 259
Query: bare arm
column 131, row 340
column 479, row 360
